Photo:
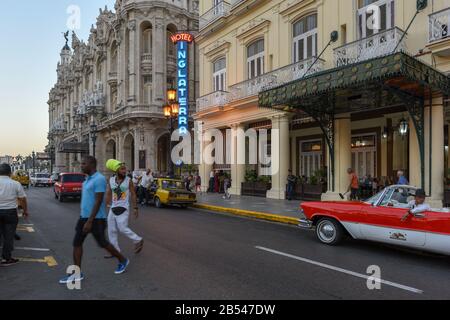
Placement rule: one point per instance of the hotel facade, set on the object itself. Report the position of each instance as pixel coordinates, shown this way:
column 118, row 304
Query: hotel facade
column 376, row 100
column 110, row 92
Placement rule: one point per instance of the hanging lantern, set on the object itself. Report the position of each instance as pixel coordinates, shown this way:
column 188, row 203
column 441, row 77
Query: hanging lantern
column 167, row 111
column 175, row 109
column 403, row 127
column 385, row 133
column 171, row 94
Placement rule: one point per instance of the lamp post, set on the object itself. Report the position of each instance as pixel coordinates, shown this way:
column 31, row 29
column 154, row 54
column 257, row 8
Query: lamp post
column 33, row 155
column 171, row 111
column 94, row 129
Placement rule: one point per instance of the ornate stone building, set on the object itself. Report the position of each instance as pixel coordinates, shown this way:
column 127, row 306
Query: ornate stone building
column 113, row 86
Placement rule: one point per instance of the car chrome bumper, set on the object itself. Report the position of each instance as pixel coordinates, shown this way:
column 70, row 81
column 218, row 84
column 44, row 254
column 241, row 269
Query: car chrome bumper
column 305, row 224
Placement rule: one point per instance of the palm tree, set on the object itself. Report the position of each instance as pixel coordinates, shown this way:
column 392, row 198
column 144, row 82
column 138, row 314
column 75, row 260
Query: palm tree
column 19, row 159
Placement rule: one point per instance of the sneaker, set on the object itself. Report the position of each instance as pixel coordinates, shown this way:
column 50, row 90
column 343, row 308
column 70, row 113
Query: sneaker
column 122, row 267
column 8, row 263
column 71, row 278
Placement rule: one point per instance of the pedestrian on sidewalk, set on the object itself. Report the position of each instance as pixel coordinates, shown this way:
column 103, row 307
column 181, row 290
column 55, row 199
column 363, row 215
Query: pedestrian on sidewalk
column 353, row 187
column 92, row 220
column 211, row 182
column 119, row 195
column 291, row 181
column 227, row 186
column 216, row 182
column 143, row 188
column 198, row 183
column 11, row 192
column 402, row 179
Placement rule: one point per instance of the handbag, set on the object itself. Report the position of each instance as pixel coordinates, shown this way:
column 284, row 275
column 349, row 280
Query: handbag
column 118, row 210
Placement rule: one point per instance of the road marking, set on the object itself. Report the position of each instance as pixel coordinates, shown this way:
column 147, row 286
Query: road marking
column 50, row 261
column 330, row 267
column 32, row 249
column 24, row 228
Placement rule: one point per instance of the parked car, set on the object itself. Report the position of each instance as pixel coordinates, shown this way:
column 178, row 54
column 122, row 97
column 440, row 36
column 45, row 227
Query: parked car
column 22, row 177
column 69, row 185
column 168, row 192
column 379, row 219
column 41, row 179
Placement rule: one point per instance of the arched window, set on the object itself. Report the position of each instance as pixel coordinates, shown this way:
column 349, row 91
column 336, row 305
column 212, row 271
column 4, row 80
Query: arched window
column 114, row 58
column 148, row 89
column 170, row 44
column 219, row 74
column 255, row 59
column 147, row 41
column 305, row 38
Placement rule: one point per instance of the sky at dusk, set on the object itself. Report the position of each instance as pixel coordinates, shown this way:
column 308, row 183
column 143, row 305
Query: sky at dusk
column 31, row 40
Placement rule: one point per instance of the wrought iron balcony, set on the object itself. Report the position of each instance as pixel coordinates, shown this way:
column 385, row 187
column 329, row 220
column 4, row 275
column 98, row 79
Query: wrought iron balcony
column 218, row 11
column 439, row 23
column 93, row 102
column 212, row 100
column 377, row 45
column 275, row 78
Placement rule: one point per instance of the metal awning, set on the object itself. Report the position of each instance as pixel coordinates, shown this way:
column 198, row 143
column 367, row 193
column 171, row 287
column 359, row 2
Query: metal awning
column 74, row 147
column 376, row 84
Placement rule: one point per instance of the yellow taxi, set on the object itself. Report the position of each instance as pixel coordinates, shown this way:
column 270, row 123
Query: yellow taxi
column 168, row 192
column 22, row 177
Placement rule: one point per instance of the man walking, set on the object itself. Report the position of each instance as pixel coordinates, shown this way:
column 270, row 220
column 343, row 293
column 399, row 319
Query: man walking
column 11, row 192
column 120, row 192
column 143, row 187
column 93, row 219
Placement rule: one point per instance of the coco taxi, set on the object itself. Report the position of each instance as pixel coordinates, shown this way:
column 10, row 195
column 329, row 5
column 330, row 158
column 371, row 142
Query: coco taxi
column 380, row 219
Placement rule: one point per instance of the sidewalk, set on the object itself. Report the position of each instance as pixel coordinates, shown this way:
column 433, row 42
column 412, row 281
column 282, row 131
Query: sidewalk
column 282, row 211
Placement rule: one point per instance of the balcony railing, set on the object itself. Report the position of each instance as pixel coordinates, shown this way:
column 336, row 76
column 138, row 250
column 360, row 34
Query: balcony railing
column 439, row 23
column 275, row 78
column 146, row 57
column 377, row 45
column 212, row 100
column 220, row 10
column 130, row 110
column 254, row 86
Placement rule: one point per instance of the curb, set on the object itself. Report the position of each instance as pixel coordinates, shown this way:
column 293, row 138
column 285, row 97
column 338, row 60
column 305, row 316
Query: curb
column 251, row 214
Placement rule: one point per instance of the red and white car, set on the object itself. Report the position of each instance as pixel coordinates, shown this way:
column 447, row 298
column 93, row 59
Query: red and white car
column 380, row 219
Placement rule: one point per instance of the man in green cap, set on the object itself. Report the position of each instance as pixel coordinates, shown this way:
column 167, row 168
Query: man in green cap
column 120, row 193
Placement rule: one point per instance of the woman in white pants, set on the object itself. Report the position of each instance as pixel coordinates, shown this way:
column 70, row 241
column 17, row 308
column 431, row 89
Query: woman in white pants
column 119, row 194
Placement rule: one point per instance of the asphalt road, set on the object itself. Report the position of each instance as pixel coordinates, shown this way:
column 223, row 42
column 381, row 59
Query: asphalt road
column 193, row 254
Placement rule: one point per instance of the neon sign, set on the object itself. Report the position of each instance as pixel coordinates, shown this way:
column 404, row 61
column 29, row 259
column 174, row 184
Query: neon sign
column 182, row 40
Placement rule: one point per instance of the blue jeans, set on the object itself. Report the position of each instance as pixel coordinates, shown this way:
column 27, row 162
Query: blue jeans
column 8, row 226
column 290, row 191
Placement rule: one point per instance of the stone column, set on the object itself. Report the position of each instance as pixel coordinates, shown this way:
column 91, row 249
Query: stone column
column 437, row 153
column 159, row 61
column 342, row 158
column 132, row 61
column 280, row 157
column 415, row 178
column 237, row 158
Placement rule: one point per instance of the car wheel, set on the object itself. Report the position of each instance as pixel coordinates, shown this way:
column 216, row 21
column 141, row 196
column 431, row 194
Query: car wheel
column 329, row 231
column 158, row 203
column 184, row 206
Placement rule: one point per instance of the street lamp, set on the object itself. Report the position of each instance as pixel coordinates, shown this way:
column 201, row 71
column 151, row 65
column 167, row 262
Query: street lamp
column 94, row 131
column 33, row 155
column 171, row 111
column 403, row 127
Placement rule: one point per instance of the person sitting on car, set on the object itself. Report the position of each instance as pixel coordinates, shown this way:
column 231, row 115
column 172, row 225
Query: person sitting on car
column 417, row 205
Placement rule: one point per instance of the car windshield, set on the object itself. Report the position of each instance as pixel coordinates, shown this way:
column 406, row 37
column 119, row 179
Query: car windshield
column 375, row 198
column 73, row 178
column 42, row 175
column 167, row 184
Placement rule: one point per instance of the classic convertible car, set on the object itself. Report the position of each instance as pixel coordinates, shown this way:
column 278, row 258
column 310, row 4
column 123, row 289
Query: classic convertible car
column 380, row 219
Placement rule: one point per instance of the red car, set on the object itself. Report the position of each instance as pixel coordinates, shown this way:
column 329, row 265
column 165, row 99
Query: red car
column 380, row 219
column 69, row 185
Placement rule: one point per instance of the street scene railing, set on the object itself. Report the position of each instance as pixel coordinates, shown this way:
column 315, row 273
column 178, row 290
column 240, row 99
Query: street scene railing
column 377, row 45
column 438, row 25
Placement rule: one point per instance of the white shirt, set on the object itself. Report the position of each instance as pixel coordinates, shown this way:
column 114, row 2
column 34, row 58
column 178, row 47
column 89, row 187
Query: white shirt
column 418, row 208
column 211, row 175
column 146, row 180
column 10, row 190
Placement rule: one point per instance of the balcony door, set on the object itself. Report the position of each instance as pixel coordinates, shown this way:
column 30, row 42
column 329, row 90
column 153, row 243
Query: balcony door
column 367, row 24
column 219, row 75
column 255, row 59
column 305, row 38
